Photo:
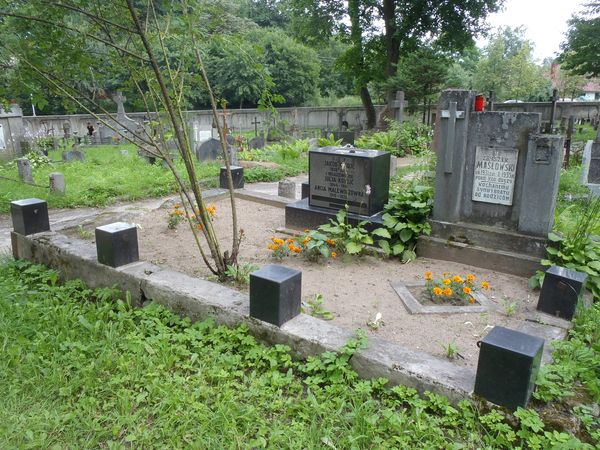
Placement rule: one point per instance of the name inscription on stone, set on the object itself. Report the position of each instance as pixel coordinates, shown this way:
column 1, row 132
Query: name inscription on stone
column 337, row 180
column 494, row 177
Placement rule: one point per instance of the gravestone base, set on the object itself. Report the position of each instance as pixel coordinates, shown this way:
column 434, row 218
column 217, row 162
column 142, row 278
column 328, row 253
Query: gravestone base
column 300, row 216
column 483, row 246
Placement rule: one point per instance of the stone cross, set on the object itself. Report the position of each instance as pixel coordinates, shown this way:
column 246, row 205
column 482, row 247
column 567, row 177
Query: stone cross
column 119, row 99
column 452, row 115
column 398, row 106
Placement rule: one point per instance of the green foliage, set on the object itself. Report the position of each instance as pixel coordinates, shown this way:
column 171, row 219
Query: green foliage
column 314, row 307
column 240, row 273
column 578, row 249
column 409, row 137
column 508, row 68
column 81, row 369
column 36, row 159
column 348, row 238
column 587, row 133
column 580, row 49
column 405, row 219
column 328, row 141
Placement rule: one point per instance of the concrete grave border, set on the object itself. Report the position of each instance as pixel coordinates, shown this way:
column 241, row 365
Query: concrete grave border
column 199, row 299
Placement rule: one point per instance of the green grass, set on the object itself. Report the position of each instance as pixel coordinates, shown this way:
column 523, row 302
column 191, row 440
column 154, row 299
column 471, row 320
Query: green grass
column 587, row 133
column 79, row 369
column 107, row 176
column 568, row 212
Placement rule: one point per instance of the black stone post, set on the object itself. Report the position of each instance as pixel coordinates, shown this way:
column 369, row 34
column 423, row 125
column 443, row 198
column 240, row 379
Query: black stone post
column 117, row 244
column 237, row 176
column 560, row 292
column 305, row 190
column 275, row 294
column 553, row 111
column 29, row 216
column 507, row 368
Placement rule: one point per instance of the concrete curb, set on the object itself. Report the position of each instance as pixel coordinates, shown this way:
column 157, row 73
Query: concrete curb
column 200, row 299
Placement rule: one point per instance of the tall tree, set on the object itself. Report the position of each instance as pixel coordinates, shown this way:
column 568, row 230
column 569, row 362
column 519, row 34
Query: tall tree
column 508, row 68
column 581, row 50
column 449, row 24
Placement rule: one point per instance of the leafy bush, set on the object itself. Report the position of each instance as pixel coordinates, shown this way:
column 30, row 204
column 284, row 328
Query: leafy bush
column 406, row 138
column 37, row 159
column 329, row 141
column 578, row 249
column 405, row 219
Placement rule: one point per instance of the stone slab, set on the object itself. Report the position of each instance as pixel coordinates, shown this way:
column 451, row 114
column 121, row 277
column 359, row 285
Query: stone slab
column 501, row 261
column 299, row 215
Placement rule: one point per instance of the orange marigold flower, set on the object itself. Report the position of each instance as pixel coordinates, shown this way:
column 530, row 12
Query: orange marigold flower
column 447, row 281
column 279, row 241
column 470, row 277
column 471, row 300
column 333, row 255
column 271, row 247
column 457, row 279
column 447, row 292
column 290, row 240
column 485, row 285
column 330, row 241
column 177, row 205
column 437, row 291
column 199, row 227
column 467, row 290
column 291, row 247
column 428, row 276
column 297, row 249
column 306, row 230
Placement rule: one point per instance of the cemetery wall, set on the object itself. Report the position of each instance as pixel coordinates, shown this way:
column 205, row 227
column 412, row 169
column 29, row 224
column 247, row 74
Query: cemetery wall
column 580, row 110
column 238, row 119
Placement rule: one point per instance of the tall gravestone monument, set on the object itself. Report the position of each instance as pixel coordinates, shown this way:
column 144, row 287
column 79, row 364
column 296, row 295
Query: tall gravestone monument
column 340, row 177
column 496, row 184
column 590, row 173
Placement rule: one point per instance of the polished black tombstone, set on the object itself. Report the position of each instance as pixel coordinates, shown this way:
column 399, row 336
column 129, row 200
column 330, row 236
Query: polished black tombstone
column 348, row 176
column 305, row 190
column 507, row 368
column 275, row 294
column 117, row 244
column 237, row 176
column 347, row 137
column 29, row 216
column 561, row 291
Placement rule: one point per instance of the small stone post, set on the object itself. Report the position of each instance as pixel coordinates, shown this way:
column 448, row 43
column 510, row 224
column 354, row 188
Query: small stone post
column 275, row 294
column 29, row 216
column 117, row 244
column 24, row 168
column 57, row 183
column 287, row 189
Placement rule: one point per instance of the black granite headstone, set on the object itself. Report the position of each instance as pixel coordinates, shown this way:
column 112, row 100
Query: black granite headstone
column 237, row 176
column 117, row 244
column 507, row 368
column 354, row 177
column 29, row 216
column 347, row 137
column 275, row 294
column 305, row 190
column 560, row 292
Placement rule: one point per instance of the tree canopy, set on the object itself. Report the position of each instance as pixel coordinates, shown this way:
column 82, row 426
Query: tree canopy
column 581, row 50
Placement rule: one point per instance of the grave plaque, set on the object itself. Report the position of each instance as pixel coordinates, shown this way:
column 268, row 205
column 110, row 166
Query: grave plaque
column 354, row 177
column 494, row 176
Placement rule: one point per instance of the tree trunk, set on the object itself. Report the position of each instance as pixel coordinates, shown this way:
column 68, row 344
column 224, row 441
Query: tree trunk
column 392, row 46
column 365, row 97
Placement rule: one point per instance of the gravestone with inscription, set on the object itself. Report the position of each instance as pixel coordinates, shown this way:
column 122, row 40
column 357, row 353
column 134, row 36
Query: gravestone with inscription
column 343, row 177
column 496, row 185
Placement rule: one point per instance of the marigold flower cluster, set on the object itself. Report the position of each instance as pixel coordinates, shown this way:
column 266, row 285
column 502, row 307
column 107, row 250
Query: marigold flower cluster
column 452, row 288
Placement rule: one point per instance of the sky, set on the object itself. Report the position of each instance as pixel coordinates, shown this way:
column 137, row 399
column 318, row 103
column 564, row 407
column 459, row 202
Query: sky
column 545, row 20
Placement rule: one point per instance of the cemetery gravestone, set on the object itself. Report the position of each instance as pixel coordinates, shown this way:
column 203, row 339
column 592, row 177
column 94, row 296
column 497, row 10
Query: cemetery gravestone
column 496, row 185
column 256, row 142
column 590, row 167
column 57, row 182
column 73, row 155
column 24, row 169
column 340, row 177
column 347, row 137
column 209, row 150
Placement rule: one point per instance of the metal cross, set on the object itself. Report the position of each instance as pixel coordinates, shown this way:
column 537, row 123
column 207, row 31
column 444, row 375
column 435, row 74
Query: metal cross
column 255, row 123
column 452, row 115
